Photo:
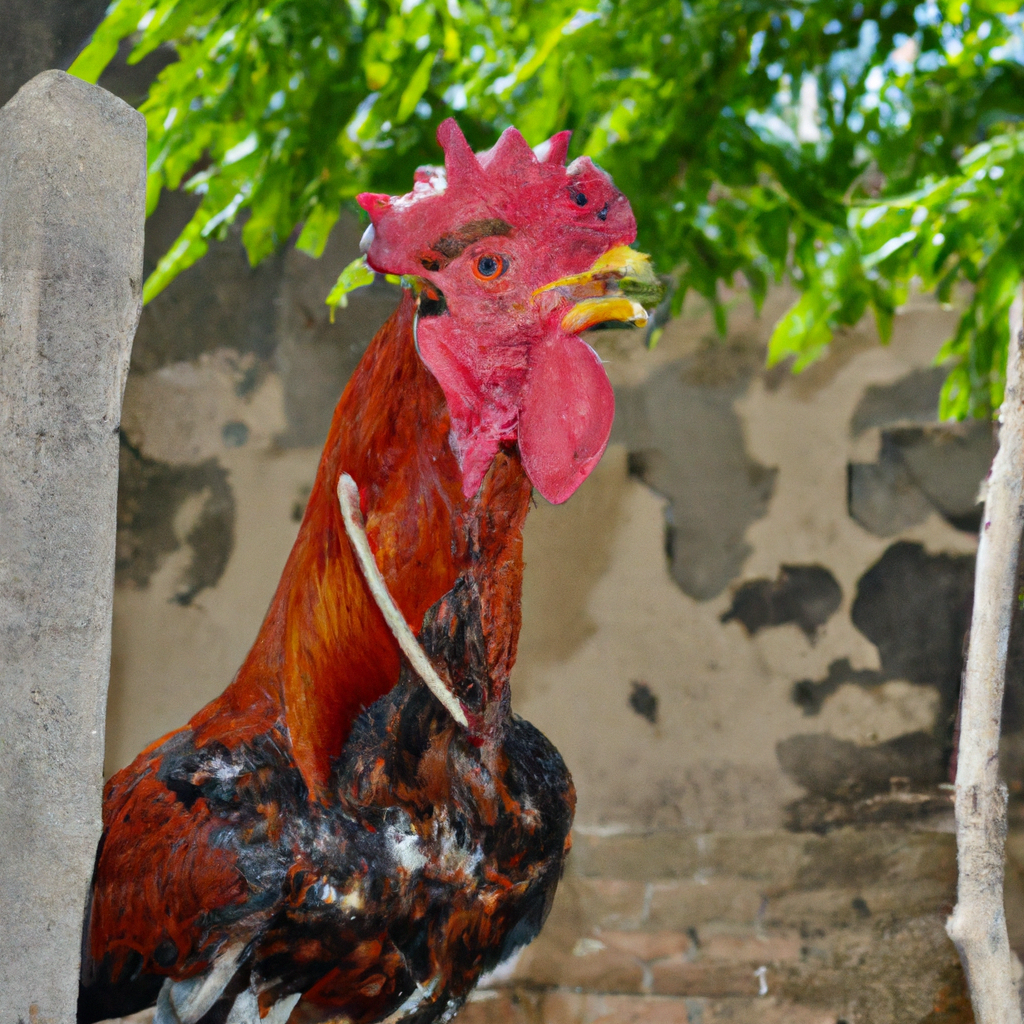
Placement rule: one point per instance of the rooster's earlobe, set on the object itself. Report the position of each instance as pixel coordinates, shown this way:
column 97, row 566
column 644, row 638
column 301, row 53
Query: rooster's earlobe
column 460, row 161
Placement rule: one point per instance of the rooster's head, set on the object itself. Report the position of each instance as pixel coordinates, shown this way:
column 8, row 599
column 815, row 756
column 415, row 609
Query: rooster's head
column 514, row 255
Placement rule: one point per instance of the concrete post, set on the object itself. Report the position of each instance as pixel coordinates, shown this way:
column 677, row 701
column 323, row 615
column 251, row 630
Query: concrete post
column 72, row 207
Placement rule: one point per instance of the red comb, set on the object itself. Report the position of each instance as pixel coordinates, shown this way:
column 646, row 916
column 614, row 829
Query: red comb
column 503, row 182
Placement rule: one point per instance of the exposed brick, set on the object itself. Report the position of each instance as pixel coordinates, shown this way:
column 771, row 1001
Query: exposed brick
column 609, row 902
column 766, row 1010
column 687, row 904
column 636, row 857
column 551, row 962
column 821, row 909
column 899, row 977
column 857, row 858
column 844, row 908
column 561, row 1007
column 647, row 946
column 750, row 947
column 680, row 976
column 492, row 1006
column 772, row 856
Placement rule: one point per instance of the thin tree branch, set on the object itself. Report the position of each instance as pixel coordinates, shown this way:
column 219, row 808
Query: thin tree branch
column 978, row 923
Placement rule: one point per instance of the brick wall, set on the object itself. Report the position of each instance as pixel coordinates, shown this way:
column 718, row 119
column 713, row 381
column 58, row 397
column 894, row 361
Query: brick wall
column 751, row 928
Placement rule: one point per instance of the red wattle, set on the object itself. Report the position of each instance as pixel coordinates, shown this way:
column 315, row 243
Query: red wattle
column 565, row 415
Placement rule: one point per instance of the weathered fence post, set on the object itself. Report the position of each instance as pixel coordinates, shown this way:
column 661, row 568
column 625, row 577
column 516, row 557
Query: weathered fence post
column 72, row 206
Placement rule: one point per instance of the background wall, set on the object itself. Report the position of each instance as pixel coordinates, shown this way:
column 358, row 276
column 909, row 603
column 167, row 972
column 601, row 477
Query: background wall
column 744, row 633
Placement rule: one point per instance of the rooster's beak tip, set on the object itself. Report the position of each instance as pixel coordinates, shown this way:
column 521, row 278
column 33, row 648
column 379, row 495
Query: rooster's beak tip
column 616, row 289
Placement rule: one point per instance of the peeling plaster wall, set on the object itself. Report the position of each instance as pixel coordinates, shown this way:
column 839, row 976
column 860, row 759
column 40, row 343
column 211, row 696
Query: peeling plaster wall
column 793, row 654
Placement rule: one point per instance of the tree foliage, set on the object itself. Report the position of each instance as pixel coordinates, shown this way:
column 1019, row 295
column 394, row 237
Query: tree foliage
column 848, row 146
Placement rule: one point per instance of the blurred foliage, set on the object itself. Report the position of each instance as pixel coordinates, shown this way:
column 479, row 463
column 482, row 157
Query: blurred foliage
column 850, row 147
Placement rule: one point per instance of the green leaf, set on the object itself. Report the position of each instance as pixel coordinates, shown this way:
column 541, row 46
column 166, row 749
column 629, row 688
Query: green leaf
column 414, row 89
column 954, row 399
column 317, row 229
column 356, row 275
column 93, row 60
column 886, row 250
column 802, row 332
column 530, row 67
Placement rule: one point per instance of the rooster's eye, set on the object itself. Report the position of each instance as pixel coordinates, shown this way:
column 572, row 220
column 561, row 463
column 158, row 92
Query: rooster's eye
column 578, row 197
column 488, row 268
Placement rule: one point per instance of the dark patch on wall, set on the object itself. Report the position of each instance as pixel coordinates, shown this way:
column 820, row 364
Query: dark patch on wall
column 921, row 470
column 913, row 398
column 250, row 379
column 811, row 695
column 315, row 357
column 644, row 701
column 848, row 784
column 219, row 302
column 915, row 608
column 40, row 35
column 150, row 493
column 843, row 770
column 235, row 433
column 301, row 500
column 882, row 496
column 805, row 595
column 686, row 443
column 900, row 805
column 948, row 462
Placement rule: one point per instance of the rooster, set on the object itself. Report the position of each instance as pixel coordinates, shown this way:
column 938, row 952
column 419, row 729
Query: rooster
column 329, row 839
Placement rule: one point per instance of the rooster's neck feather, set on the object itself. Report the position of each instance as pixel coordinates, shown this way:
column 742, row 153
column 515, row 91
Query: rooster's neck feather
column 324, row 652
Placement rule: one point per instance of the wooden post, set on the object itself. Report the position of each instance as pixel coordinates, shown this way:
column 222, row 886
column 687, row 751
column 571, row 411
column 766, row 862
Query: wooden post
column 72, row 208
column 978, row 923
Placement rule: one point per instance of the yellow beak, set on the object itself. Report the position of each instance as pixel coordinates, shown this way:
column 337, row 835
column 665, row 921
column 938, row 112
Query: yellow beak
column 614, row 290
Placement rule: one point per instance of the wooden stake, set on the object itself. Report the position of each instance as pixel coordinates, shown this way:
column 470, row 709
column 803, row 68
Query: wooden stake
column 977, row 925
